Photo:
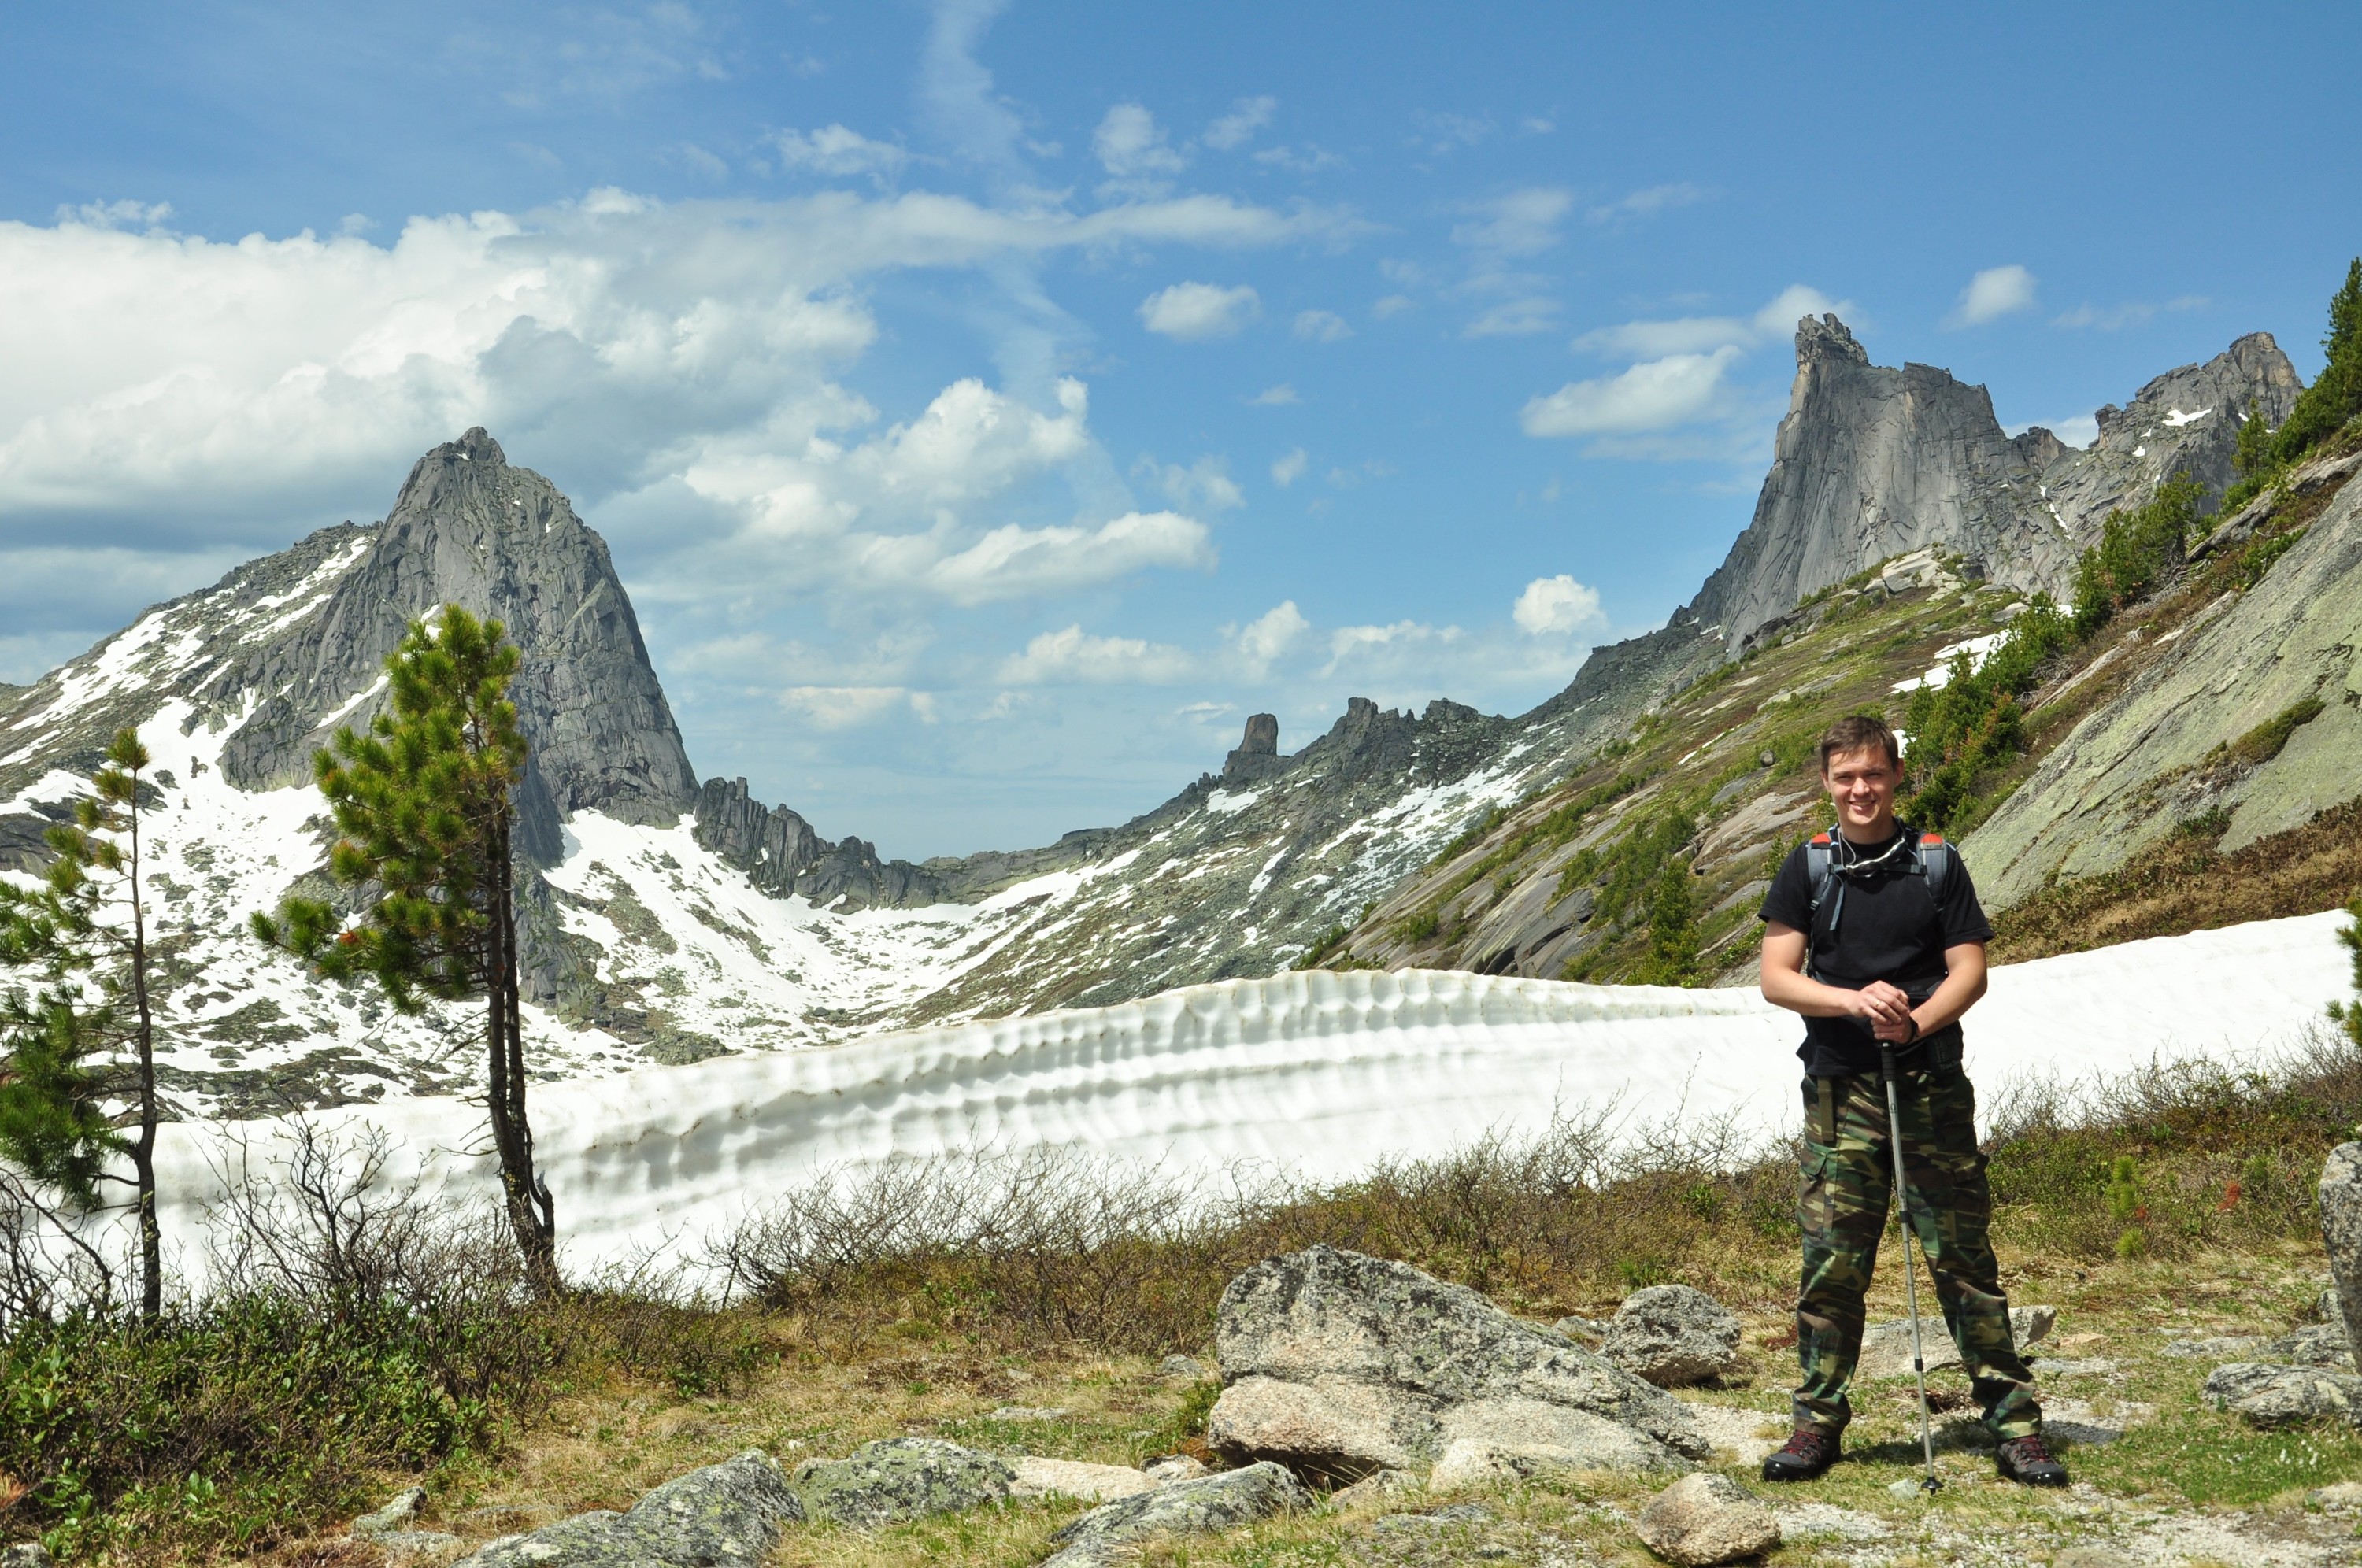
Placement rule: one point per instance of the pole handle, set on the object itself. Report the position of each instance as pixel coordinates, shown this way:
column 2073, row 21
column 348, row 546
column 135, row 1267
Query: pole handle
column 1886, row 1060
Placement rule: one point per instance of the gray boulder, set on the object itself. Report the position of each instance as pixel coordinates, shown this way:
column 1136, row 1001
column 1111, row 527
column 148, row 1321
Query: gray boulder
column 2268, row 1396
column 396, row 1515
column 2341, row 1227
column 901, row 1478
column 2314, row 1345
column 1708, row 1518
column 1337, row 1366
column 1181, row 1366
column 1674, row 1336
column 1218, row 1503
column 724, row 1516
column 25, row 1555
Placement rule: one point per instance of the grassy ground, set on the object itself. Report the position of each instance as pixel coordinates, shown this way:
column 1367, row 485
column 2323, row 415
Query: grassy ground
column 2179, row 1469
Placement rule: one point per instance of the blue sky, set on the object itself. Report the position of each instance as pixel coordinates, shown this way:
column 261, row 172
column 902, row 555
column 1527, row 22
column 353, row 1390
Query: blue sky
column 990, row 406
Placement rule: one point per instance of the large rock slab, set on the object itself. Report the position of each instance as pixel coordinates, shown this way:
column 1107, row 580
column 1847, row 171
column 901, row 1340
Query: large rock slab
column 2341, row 1233
column 1339, row 1365
column 1674, row 1336
column 1886, row 1347
column 896, row 1479
column 725, row 1516
column 1074, row 1478
column 2268, row 1396
column 1704, row 1519
column 1228, row 1501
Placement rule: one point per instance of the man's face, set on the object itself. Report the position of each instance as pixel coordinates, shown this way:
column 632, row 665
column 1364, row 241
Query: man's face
column 1861, row 786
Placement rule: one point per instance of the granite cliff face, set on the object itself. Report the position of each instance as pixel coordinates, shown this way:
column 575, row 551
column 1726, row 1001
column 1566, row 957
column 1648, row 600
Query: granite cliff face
column 468, row 529
column 1872, row 463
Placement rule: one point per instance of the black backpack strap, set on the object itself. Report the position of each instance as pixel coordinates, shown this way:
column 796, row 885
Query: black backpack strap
column 1936, row 861
column 1819, row 852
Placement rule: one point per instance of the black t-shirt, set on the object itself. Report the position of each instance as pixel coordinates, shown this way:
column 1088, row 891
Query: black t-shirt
column 1888, row 928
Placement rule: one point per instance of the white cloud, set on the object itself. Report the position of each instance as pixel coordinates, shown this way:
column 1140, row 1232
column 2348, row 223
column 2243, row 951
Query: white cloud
column 1443, row 133
column 1131, row 145
column 1237, row 128
column 1522, row 223
column 852, row 707
column 1306, row 159
column 1390, row 305
column 1361, row 645
column 833, row 149
column 1280, row 396
column 1271, row 633
column 1289, row 467
column 1194, row 313
column 1206, row 482
column 1994, row 293
column 1520, row 317
column 2133, row 313
column 124, row 214
column 1074, row 657
column 1656, row 394
column 1320, row 326
column 1702, row 334
column 1555, row 606
column 1646, row 204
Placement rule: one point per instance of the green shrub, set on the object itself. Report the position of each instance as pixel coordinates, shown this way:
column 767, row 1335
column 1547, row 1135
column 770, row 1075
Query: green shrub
column 2264, row 742
column 2138, row 551
column 2335, row 396
column 1974, row 721
column 1672, row 958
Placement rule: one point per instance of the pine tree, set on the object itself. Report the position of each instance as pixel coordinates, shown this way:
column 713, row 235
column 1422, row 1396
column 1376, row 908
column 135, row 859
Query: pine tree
column 2323, row 408
column 424, row 803
column 88, row 1036
column 1673, row 956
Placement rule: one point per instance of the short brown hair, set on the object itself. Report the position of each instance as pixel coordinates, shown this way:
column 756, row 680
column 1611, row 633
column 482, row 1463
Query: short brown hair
column 1860, row 732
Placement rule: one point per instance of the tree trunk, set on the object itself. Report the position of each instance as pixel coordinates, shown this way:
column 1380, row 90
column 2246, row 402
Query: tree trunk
column 143, row 1148
column 531, row 1214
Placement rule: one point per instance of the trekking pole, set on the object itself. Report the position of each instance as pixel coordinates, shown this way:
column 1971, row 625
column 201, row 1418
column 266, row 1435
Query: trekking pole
column 1910, row 1277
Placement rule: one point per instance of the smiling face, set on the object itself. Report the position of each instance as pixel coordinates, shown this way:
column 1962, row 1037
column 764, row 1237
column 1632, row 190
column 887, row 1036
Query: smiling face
column 1861, row 786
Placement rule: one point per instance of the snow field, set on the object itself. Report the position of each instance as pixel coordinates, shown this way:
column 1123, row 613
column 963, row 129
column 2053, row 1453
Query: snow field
column 1315, row 1074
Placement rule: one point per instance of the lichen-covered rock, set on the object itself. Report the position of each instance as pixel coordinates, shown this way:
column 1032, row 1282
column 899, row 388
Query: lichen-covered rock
column 2314, row 1345
column 1181, row 1366
column 724, row 1516
column 1674, row 1335
column 1072, row 1478
column 2269, row 1395
column 901, row 1478
column 1218, row 1503
column 1708, row 1518
column 1339, row 1364
column 25, row 1555
column 2341, row 1233
column 1166, row 1469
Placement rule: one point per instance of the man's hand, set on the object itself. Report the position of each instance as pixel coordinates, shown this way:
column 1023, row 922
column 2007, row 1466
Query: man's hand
column 1887, row 1010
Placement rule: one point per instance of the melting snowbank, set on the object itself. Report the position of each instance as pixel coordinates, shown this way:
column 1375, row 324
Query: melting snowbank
column 1319, row 1073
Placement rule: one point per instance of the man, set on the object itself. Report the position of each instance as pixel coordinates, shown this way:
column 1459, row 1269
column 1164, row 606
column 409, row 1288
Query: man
column 1889, row 948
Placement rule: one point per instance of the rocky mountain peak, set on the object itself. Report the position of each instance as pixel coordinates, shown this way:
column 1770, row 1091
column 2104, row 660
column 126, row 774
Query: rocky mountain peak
column 1257, row 757
column 1828, row 339
column 469, row 529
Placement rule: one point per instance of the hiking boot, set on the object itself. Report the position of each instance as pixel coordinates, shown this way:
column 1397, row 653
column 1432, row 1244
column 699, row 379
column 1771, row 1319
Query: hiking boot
column 1809, row 1452
column 2026, row 1460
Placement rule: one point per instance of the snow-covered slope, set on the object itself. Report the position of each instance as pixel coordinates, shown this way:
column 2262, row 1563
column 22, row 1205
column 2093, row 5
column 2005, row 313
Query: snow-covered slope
column 1317, row 1073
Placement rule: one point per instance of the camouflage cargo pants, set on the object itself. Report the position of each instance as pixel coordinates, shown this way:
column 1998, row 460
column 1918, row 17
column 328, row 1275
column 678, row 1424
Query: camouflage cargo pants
column 1848, row 1172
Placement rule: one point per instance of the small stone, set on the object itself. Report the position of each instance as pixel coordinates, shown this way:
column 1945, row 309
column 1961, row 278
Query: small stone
column 1674, row 1335
column 1171, row 1467
column 395, row 1516
column 1906, row 1491
column 1218, row 1503
column 1708, row 1518
column 25, row 1555
column 1072, row 1479
column 2344, row 1495
column 2268, row 1396
column 1184, row 1366
column 897, row 1479
column 1588, row 1331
